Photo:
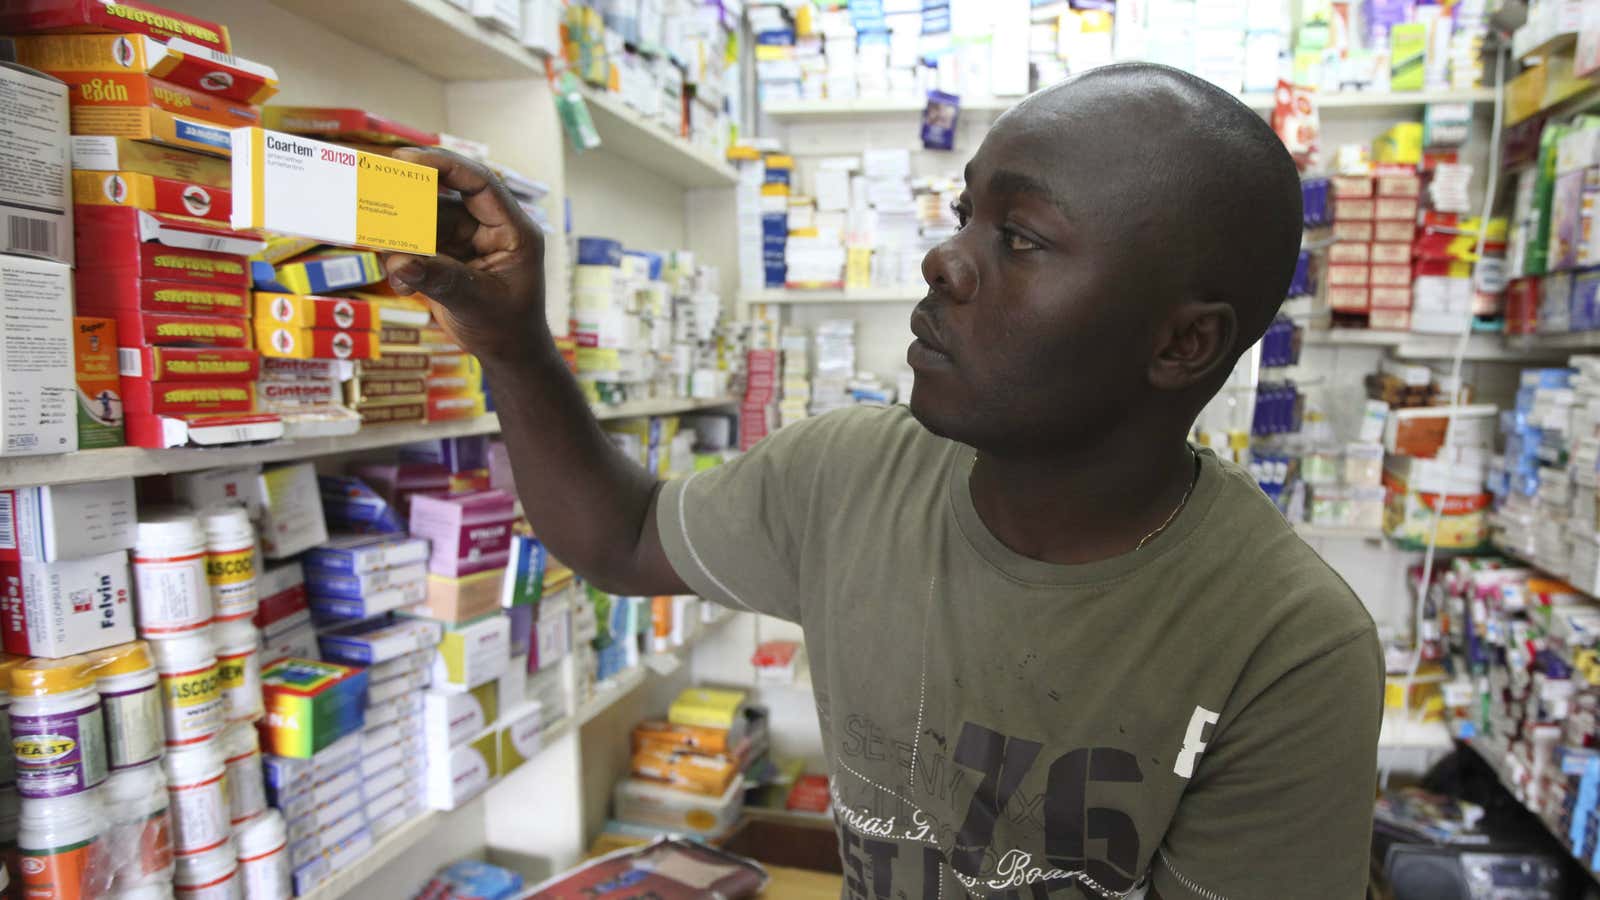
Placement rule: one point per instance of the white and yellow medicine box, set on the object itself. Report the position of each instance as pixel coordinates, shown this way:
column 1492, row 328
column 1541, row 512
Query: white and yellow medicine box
column 293, row 185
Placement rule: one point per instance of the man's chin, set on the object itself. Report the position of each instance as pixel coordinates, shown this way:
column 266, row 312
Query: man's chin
column 933, row 412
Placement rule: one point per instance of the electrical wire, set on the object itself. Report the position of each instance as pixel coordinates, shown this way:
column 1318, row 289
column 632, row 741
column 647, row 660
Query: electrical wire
column 1491, row 185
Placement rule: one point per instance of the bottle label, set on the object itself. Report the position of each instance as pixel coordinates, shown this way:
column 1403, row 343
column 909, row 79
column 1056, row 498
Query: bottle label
column 59, row 754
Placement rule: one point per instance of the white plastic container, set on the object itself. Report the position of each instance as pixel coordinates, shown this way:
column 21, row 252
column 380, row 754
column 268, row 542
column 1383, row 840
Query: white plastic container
column 160, row 890
column 212, row 875
column 197, row 786
column 230, row 561
column 190, row 687
column 8, row 766
column 56, row 729
column 262, row 845
column 247, row 785
column 130, row 702
column 169, row 575
column 56, row 839
column 139, row 839
column 239, row 669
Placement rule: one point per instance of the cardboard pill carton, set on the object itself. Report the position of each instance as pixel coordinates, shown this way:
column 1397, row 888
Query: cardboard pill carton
column 189, row 363
column 35, row 211
column 95, row 370
column 138, row 326
column 99, row 292
column 318, row 273
column 308, row 311
column 360, row 554
column 100, row 153
column 344, row 124
column 393, row 411
column 38, row 408
column 289, row 342
column 162, row 432
column 106, row 102
column 97, row 16
column 310, row 705
column 187, row 397
column 66, row 607
column 134, row 243
column 154, row 193
column 176, row 61
column 288, row 396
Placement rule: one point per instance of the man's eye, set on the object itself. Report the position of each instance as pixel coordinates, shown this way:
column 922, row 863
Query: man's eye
column 1019, row 243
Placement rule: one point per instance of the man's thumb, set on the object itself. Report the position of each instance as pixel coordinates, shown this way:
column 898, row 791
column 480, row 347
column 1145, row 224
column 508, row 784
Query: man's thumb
column 440, row 277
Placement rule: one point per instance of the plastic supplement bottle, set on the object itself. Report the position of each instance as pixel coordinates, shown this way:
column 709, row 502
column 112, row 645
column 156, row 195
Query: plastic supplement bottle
column 56, row 729
column 130, row 702
column 169, row 574
column 190, row 687
column 262, row 845
column 239, row 669
column 212, row 875
column 198, row 790
column 230, row 561
column 139, row 839
column 60, row 845
column 247, row 784
column 160, row 890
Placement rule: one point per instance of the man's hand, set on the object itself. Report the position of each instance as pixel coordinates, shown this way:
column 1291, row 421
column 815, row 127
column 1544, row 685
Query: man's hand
column 486, row 286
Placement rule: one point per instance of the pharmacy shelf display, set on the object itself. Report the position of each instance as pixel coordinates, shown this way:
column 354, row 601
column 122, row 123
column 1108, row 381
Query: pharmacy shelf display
column 126, row 462
column 403, row 839
column 1355, row 102
column 432, row 35
column 783, row 297
column 624, row 132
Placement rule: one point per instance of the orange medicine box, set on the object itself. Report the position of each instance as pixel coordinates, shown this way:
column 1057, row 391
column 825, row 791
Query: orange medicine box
column 697, row 772
column 189, row 363
column 137, row 326
column 169, row 398
column 290, row 342
column 156, row 125
column 102, row 101
column 176, row 61
column 152, row 192
column 449, row 409
column 102, row 153
column 102, row 294
column 133, row 243
column 307, row 311
column 94, row 355
column 344, row 124
column 393, row 410
column 679, row 737
column 75, row 16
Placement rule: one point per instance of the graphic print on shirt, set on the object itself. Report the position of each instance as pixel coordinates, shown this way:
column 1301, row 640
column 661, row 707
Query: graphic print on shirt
column 961, row 801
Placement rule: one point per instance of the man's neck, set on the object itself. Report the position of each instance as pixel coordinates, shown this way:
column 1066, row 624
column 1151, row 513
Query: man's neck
column 1080, row 509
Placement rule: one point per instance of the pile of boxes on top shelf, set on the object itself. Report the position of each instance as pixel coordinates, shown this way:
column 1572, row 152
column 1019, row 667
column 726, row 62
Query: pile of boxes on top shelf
column 191, row 331
column 668, row 60
column 688, row 771
column 647, row 324
column 1545, row 482
column 535, row 23
column 1554, row 258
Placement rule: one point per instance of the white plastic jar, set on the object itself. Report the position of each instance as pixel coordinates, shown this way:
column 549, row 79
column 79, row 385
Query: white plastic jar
column 169, row 574
column 262, row 845
column 230, row 561
column 56, row 729
column 57, row 841
column 8, row 767
column 159, row 890
column 190, row 687
column 139, row 839
column 212, row 875
column 198, row 790
column 130, row 703
column 247, row 784
column 239, row 669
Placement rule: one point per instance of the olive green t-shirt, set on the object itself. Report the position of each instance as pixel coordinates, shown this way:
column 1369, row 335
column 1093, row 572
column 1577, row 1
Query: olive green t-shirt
column 1200, row 715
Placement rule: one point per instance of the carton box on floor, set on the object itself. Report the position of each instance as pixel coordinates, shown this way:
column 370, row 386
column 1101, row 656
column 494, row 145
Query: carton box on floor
column 67, row 521
column 472, row 654
column 38, row 409
column 67, row 607
column 95, row 370
column 99, row 153
column 35, row 190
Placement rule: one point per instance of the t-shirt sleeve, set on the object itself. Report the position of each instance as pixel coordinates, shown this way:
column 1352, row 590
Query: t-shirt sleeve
column 1281, row 805
column 734, row 533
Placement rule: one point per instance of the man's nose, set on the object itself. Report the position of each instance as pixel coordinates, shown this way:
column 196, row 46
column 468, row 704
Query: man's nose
column 950, row 271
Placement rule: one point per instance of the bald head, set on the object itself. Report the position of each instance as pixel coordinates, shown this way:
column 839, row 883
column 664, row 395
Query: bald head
column 1185, row 175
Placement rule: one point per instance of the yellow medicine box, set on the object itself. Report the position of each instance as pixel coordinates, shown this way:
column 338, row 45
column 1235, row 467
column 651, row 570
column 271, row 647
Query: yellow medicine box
column 294, row 185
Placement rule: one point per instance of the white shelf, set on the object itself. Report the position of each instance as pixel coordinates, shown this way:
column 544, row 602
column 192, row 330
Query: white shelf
column 625, row 133
column 908, row 294
column 1578, row 340
column 1407, row 345
column 135, row 462
column 432, row 35
column 1307, row 530
column 819, row 109
column 385, row 850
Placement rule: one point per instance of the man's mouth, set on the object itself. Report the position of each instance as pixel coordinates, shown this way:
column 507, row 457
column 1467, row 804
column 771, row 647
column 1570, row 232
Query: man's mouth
column 928, row 348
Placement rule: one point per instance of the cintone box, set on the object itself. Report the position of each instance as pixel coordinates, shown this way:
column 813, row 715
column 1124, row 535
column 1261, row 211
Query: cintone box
column 100, row 293
column 175, row 61
column 294, row 185
column 133, row 243
column 67, row 521
column 38, row 408
column 35, row 190
column 152, row 192
column 178, row 398
column 299, row 393
column 95, row 370
column 137, row 326
column 344, row 124
column 72, row 16
column 99, row 153
column 308, row 311
column 188, row 363
column 1357, row 231
column 289, row 342
column 66, row 607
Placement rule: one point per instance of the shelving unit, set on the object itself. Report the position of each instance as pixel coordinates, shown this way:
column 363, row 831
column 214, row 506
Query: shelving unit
column 1337, row 532
column 134, row 462
column 1406, row 345
column 1580, row 340
column 908, row 294
column 623, row 132
column 432, row 35
column 816, row 109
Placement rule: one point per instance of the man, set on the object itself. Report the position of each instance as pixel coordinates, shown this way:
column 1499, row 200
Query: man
column 1056, row 651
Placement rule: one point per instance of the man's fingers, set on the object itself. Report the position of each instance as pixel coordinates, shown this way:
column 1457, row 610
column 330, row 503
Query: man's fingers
column 481, row 190
column 445, row 280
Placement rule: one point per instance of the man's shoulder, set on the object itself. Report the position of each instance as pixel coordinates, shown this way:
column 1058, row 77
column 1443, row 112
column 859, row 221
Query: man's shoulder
column 857, row 432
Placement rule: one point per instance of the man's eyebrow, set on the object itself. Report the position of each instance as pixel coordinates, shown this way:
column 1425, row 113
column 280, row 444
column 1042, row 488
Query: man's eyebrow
column 1010, row 181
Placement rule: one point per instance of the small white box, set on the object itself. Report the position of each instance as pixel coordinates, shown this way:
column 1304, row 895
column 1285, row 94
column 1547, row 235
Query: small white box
column 39, row 407
column 505, row 15
column 67, row 521
column 218, row 487
column 453, row 718
column 472, row 654
column 659, row 806
column 62, row 608
column 291, row 516
column 513, row 683
column 464, row 773
column 521, row 739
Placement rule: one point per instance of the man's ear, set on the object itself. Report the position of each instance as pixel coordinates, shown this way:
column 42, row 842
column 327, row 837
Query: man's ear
column 1196, row 339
